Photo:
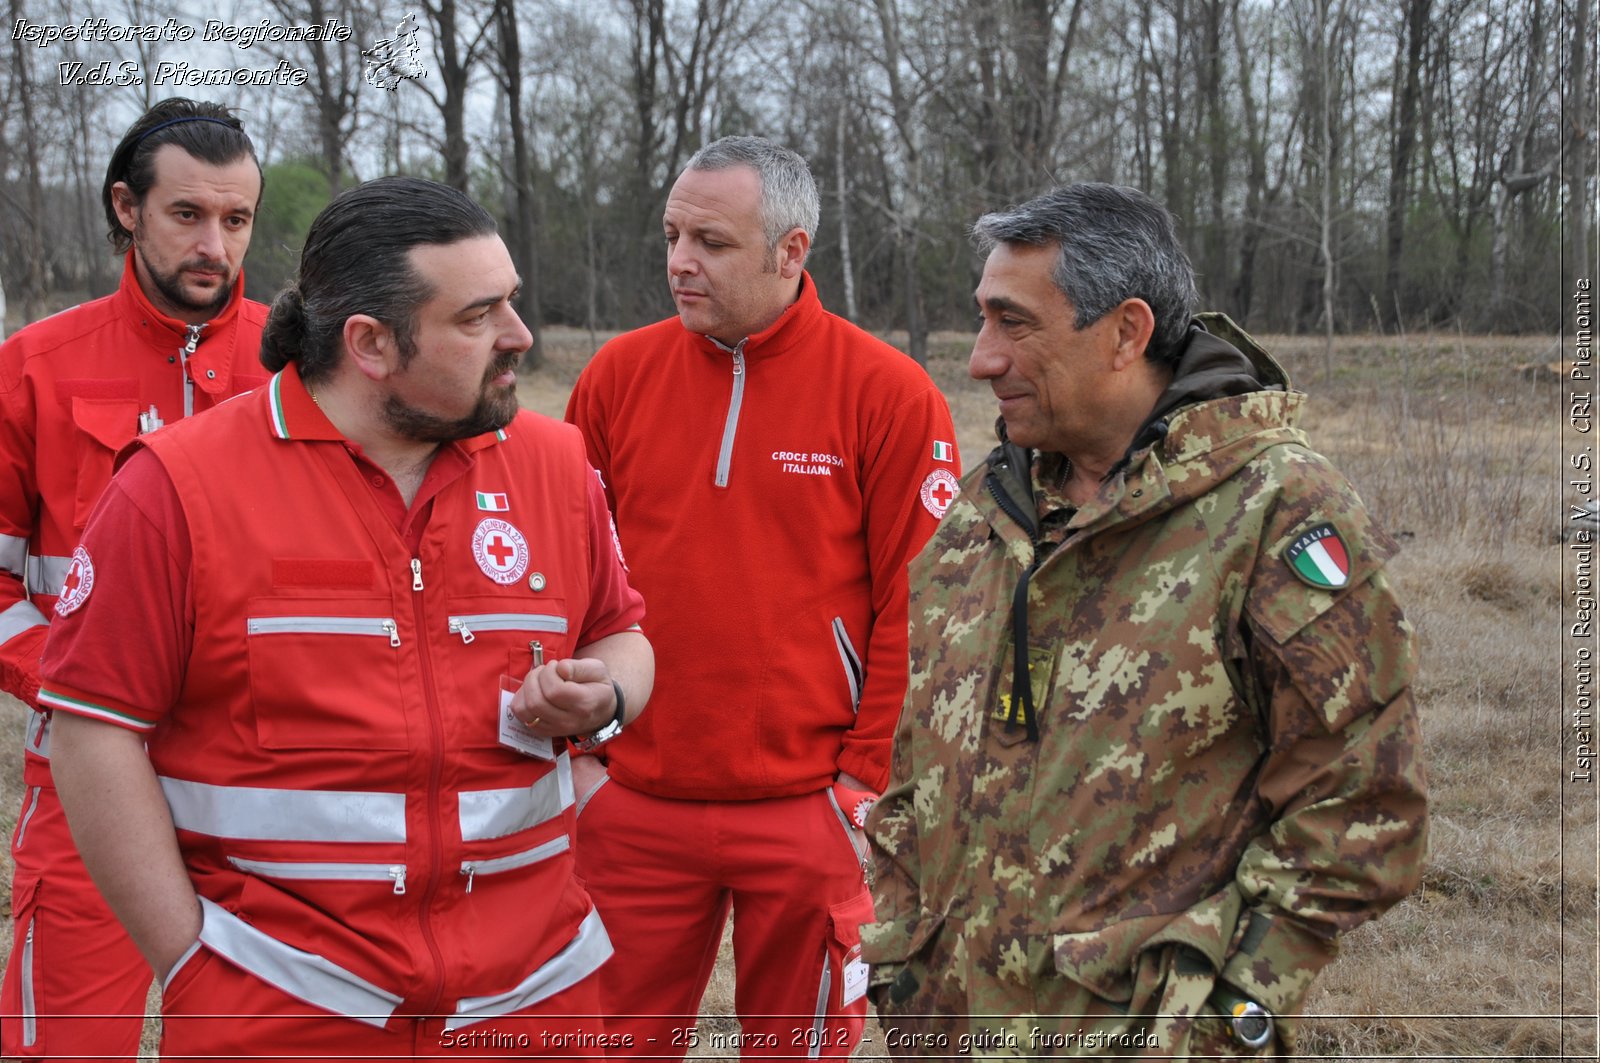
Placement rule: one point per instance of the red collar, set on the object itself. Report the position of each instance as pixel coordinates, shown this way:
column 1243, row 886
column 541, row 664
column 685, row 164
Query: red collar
column 138, row 307
column 792, row 326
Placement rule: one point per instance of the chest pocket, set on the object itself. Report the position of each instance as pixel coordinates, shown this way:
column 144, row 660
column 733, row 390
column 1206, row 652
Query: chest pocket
column 101, row 428
column 325, row 673
column 491, row 636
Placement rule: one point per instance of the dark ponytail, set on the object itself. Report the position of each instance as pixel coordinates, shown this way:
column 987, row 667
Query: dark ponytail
column 284, row 336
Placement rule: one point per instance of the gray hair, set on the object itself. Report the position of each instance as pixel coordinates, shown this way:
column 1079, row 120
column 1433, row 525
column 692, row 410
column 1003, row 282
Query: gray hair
column 1116, row 243
column 788, row 194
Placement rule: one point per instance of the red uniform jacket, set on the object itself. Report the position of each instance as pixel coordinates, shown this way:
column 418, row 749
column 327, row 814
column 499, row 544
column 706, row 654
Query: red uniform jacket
column 769, row 499
column 74, row 389
column 357, row 834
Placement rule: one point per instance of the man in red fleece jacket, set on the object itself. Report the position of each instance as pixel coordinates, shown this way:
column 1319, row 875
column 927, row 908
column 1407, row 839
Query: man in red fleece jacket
column 772, row 468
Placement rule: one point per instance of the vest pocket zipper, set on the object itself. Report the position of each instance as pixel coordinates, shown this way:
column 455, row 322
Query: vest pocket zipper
column 474, row 868
column 464, row 625
column 325, row 872
column 383, row 627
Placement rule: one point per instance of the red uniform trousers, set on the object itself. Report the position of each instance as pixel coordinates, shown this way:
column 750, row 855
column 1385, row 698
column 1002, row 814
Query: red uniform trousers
column 54, row 1008
column 212, row 1010
column 663, row 874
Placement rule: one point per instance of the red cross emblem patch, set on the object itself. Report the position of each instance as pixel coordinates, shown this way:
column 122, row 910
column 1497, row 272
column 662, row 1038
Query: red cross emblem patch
column 500, row 550
column 938, row 491
column 79, row 582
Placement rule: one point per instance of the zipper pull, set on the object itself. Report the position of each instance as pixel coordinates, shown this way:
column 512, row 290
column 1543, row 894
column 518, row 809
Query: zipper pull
column 459, row 626
column 393, row 630
column 471, row 871
column 191, row 339
column 398, row 873
column 416, row 573
column 738, row 364
column 537, row 648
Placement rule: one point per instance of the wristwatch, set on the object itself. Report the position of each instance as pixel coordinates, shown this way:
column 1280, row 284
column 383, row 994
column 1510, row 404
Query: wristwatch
column 1249, row 1023
column 590, row 742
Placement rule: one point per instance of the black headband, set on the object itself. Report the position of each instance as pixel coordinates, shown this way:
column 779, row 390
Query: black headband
column 187, row 118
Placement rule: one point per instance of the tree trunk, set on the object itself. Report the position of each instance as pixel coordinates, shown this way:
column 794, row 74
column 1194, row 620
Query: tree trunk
column 908, row 219
column 1255, row 179
column 842, row 194
column 454, row 66
column 33, row 241
column 1580, row 258
column 1408, row 94
column 524, row 226
column 1328, row 165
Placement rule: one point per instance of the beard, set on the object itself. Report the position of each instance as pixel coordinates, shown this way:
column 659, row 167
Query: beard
column 495, row 408
column 170, row 283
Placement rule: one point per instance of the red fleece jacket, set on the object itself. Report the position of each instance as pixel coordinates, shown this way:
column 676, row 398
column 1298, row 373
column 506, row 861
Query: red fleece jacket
column 768, row 501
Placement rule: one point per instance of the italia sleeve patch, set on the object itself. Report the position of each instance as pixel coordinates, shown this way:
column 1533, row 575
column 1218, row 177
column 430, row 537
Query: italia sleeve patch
column 1318, row 557
column 79, row 582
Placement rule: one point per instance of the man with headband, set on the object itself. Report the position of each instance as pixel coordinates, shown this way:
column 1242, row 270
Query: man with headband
column 177, row 337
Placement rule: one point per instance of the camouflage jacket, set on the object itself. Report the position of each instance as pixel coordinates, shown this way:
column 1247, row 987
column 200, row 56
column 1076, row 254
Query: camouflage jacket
column 1222, row 773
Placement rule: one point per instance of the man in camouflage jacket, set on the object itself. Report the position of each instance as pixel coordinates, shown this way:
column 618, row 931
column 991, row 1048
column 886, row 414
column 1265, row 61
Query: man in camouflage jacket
column 1159, row 748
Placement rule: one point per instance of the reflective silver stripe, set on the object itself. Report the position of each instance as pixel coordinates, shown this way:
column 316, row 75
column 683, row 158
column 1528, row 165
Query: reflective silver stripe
column 303, row 975
column 583, row 955
column 30, row 1007
column 20, row 617
column 188, row 953
column 820, row 1017
column 285, row 815
column 495, row 813
column 590, row 795
column 37, row 740
column 850, row 659
column 22, row 828
column 47, row 574
column 13, row 553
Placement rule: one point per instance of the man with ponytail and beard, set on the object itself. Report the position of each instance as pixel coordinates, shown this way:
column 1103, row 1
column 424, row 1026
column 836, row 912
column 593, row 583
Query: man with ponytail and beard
column 176, row 338
column 375, row 603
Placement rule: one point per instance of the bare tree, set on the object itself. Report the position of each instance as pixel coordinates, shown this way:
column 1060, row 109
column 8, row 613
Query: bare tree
column 523, row 223
column 32, row 206
column 1412, row 40
column 907, row 212
column 1580, row 144
column 335, row 68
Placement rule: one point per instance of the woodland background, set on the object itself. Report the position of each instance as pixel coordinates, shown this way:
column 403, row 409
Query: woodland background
column 1336, row 166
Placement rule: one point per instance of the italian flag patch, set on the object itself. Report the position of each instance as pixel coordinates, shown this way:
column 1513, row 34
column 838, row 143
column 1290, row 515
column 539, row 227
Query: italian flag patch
column 1319, row 557
column 943, row 451
column 492, row 503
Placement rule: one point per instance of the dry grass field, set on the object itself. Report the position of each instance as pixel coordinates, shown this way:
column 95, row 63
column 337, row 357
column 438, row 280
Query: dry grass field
column 1456, row 450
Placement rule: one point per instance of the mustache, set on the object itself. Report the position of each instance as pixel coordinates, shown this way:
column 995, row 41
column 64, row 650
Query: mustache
column 505, row 363
column 204, row 264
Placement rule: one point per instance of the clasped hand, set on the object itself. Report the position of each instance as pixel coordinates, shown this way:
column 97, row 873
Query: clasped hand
column 572, row 696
